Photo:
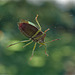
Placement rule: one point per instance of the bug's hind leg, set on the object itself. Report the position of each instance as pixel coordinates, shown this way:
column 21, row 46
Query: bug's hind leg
column 37, row 22
column 33, row 50
column 19, row 42
column 27, row 44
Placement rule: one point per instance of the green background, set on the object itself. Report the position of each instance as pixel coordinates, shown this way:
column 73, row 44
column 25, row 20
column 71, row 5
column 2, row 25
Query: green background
column 15, row 60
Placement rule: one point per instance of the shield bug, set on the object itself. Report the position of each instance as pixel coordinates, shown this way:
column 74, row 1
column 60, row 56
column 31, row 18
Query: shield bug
column 34, row 34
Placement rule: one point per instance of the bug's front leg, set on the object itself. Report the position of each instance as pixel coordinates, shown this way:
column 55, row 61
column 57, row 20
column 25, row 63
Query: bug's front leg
column 37, row 22
column 19, row 42
column 33, row 50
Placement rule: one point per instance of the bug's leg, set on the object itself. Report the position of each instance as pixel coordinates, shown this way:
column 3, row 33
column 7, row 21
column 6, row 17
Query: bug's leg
column 37, row 21
column 19, row 42
column 41, row 44
column 33, row 50
column 46, row 30
column 46, row 50
column 27, row 44
column 50, row 41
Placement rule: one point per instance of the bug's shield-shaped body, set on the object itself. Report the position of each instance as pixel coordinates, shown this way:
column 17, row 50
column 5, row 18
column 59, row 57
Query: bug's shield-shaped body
column 30, row 30
column 34, row 33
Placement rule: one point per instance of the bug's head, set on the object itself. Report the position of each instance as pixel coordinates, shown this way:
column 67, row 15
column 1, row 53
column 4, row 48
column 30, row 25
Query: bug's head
column 41, row 40
column 43, row 37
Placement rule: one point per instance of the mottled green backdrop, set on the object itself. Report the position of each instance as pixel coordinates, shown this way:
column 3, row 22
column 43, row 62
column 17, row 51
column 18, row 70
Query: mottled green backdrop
column 15, row 60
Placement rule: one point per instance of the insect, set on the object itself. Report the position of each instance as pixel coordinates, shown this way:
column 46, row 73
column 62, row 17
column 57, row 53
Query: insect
column 34, row 34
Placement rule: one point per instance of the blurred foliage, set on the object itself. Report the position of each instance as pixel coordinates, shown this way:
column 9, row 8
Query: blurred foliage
column 15, row 60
